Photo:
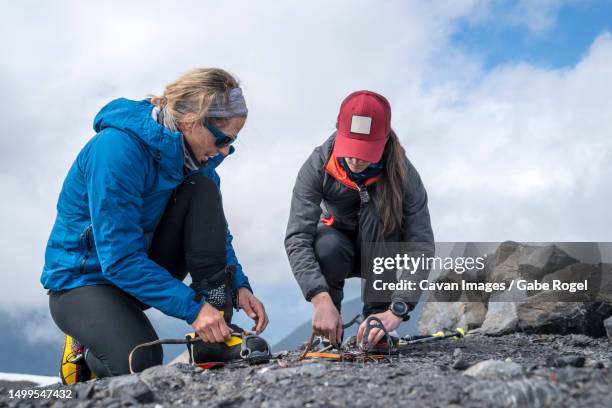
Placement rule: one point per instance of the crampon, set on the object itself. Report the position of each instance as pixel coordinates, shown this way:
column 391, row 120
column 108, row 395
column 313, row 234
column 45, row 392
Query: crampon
column 388, row 349
column 242, row 346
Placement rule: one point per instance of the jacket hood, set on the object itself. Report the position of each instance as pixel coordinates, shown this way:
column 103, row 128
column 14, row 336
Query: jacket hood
column 135, row 118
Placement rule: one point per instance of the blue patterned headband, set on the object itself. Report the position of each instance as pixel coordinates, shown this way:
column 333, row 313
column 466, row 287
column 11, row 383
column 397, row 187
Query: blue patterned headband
column 234, row 106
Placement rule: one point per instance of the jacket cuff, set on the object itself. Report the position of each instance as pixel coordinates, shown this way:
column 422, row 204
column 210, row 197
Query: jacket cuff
column 194, row 310
column 240, row 280
column 315, row 291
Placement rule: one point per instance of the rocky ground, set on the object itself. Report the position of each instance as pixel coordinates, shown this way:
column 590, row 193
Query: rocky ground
column 512, row 370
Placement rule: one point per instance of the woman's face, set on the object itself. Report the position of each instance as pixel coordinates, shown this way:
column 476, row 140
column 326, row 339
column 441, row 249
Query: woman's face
column 356, row 165
column 202, row 141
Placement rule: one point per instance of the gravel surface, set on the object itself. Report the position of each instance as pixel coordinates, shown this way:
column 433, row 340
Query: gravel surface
column 512, row 370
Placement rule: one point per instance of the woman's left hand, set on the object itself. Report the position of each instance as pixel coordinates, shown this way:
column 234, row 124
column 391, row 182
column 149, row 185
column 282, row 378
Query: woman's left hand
column 254, row 309
column 388, row 319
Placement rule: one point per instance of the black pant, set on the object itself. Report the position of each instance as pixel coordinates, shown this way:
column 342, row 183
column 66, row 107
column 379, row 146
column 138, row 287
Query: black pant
column 191, row 236
column 338, row 252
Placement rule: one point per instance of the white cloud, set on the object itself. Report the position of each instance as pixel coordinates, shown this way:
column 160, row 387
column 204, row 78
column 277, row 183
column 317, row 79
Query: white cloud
column 524, row 150
column 516, row 153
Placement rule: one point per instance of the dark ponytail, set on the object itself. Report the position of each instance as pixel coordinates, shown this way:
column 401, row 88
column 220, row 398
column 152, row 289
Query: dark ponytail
column 392, row 186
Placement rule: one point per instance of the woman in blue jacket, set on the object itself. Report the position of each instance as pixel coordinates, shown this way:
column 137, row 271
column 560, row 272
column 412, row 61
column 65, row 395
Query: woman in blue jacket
column 139, row 209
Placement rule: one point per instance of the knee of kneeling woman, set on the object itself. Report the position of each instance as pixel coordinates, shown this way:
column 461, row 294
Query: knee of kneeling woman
column 202, row 182
column 333, row 251
column 142, row 359
column 202, row 189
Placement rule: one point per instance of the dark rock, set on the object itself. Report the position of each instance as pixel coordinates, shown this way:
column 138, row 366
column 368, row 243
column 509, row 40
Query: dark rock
column 130, row 386
column 540, row 261
column 231, row 402
column 504, row 251
column 84, row 390
column 166, row 377
column 516, row 393
column 579, row 340
column 574, row 360
column 112, row 403
column 507, row 259
column 542, row 313
column 461, row 364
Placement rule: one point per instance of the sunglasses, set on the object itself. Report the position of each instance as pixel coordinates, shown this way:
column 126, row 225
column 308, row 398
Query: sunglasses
column 221, row 139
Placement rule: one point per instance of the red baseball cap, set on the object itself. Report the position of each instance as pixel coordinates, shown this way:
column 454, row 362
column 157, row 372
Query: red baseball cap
column 364, row 123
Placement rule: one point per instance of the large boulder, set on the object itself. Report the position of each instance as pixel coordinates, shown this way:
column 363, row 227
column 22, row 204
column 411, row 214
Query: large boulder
column 566, row 312
column 513, row 260
column 538, row 314
column 438, row 316
column 540, row 261
column 536, row 310
column 501, row 318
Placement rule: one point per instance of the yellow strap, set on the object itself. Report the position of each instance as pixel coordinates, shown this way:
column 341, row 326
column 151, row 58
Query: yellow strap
column 233, row 341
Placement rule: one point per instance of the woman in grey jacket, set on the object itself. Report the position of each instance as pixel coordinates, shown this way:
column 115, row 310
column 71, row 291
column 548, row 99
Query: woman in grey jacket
column 356, row 187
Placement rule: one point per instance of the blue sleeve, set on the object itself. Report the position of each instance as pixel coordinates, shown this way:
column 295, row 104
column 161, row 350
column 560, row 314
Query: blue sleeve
column 240, row 279
column 116, row 170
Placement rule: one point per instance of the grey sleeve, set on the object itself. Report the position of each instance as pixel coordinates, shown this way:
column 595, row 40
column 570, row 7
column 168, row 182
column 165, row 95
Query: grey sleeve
column 302, row 227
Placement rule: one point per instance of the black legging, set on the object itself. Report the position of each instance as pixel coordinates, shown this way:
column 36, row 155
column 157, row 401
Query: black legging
column 191, row 236
column 338, row 253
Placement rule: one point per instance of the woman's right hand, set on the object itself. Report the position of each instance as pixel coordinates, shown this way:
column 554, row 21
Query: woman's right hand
column 326, row 320
column 210, row 325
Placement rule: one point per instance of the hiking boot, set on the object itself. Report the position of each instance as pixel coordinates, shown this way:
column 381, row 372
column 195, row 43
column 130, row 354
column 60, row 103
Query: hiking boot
column 73, row 368
column 241, row 346
column 218, row 291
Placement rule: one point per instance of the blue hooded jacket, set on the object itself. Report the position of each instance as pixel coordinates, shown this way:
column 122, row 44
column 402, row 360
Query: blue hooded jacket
column 109, row 206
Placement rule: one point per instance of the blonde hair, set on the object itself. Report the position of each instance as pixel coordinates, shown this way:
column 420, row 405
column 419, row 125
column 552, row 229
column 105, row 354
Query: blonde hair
column 187, row 99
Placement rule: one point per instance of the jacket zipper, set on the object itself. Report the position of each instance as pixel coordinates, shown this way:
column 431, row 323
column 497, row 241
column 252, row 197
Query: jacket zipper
column 364, row 196
column 85, row 235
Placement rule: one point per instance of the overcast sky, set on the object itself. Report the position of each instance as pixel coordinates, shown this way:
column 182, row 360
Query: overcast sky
column 503, row 107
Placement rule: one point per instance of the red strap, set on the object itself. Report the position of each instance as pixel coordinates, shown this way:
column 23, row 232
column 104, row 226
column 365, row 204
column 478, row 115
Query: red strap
column 211, row 365
column 329, row 221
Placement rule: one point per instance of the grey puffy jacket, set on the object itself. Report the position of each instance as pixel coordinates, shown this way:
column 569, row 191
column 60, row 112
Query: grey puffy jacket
column 318, row 195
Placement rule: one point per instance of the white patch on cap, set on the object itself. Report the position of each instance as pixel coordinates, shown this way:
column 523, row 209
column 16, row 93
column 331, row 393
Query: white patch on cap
column 361, row 125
